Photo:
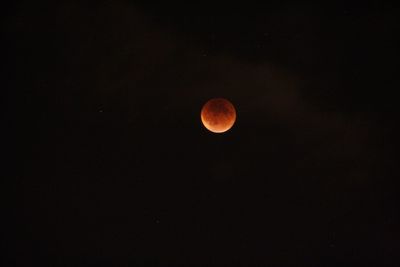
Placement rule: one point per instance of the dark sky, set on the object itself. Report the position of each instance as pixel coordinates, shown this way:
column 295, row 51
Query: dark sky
column 108, row 163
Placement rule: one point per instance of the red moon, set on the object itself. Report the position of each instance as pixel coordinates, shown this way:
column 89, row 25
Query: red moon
column 218, row 115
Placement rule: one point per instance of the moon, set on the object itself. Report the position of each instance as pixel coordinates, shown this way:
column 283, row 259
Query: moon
column 218, row 115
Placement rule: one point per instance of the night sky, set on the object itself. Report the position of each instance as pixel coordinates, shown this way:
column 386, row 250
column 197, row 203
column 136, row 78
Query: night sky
column 108, row 164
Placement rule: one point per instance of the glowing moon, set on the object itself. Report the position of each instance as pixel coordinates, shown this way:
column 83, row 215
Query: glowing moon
column 218, row 115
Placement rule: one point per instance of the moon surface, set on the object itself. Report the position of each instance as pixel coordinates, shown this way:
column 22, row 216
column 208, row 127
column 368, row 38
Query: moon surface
column 218, row 115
